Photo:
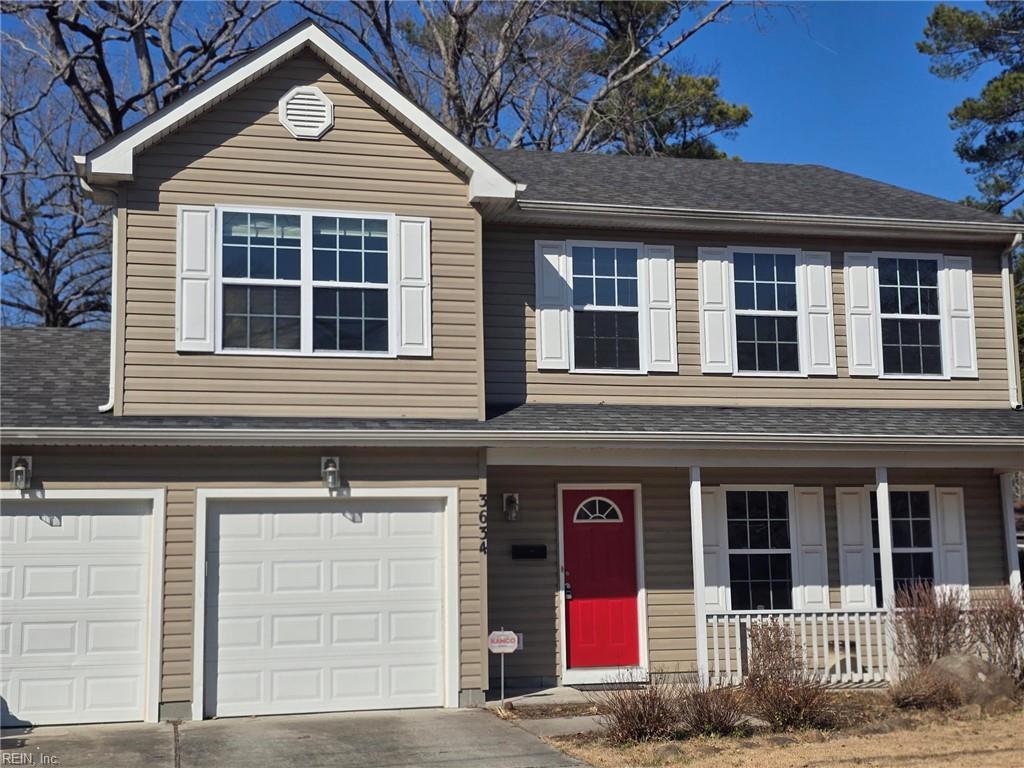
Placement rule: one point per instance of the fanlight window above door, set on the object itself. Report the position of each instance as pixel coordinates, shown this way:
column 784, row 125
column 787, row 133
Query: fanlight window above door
column 597, row 510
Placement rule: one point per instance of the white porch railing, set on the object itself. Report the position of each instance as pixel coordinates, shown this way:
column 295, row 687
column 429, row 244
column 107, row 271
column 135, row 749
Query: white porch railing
column 839, row 647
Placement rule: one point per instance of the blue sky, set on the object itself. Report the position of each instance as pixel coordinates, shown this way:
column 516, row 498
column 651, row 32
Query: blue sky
column 841, row 84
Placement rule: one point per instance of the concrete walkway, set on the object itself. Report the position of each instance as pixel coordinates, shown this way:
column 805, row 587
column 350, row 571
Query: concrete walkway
column 416, row 738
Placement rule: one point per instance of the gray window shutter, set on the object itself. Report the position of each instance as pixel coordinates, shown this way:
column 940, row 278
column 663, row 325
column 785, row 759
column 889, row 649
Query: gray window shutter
column 716, row 550
column 819, row 341
column 951, row 548
column 856, row 554
column 959, row 311
column 414, row 338
column 862, row 344
column 811, row 572
column 660, row 293
column 552, row 303
column 195, row 299
column 714, row 284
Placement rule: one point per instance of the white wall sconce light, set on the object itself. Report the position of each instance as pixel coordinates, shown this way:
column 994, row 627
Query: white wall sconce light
column 330, row 472
column 21, row 472
column 510, row 503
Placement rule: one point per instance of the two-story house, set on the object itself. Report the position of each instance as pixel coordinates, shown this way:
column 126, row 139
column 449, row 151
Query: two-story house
column 369, row 394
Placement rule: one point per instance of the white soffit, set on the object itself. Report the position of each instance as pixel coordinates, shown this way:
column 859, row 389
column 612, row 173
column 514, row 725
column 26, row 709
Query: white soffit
column 114, row 160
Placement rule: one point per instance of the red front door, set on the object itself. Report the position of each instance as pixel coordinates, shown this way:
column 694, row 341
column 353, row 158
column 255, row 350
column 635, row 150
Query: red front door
column 599, row 561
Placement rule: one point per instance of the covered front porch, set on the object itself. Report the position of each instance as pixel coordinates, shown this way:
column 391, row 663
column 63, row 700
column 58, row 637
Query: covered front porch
column 723, row 540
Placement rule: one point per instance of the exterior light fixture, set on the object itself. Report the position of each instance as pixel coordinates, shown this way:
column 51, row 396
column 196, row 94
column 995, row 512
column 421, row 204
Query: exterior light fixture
column 21, row 472
column 330, row 472
column 510, row 503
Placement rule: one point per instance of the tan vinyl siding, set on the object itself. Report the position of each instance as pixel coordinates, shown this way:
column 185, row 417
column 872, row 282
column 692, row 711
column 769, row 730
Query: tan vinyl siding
column 523, row 594
column 238, row 153
column 181, row 471
column 510, row 329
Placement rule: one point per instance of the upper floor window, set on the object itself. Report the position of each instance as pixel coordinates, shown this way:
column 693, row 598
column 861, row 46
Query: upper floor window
column 606, row 316
column 766, row 311
column 908, row 297
column 910, row 315
column 302, row 282
column 605, row 307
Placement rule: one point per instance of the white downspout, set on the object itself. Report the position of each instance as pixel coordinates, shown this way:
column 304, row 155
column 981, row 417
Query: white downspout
column 1012, row 359
column 114, row 293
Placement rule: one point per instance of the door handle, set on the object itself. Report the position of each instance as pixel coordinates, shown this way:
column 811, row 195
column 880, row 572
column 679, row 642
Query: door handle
column 568, row 591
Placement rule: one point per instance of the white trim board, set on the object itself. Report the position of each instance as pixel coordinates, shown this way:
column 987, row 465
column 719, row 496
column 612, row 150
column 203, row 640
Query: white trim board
column 154, row 632
column 114, row 160
column 595, row 675
column 451, row 568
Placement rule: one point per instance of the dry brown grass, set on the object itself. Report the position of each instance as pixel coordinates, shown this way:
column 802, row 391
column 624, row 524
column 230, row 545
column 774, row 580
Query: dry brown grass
column 924, row 741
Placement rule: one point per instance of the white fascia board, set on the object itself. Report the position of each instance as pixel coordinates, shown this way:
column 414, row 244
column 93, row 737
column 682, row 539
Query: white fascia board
column 115, row 159
column 478, row 438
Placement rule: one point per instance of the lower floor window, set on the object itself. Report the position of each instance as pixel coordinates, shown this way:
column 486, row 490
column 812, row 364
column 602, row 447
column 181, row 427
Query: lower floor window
column 606, row 340
column 261, row 317
column 760, row 559
column 350, row 319
column 912, row 553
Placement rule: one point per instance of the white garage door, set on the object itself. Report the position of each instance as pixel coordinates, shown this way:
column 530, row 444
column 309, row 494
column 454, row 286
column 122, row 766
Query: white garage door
column 74, row 608
column 317, row 606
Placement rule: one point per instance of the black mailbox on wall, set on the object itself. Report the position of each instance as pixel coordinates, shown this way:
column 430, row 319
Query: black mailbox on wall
column 529, row 552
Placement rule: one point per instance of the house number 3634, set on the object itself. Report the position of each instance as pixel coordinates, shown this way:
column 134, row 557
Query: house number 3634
column 483, row 523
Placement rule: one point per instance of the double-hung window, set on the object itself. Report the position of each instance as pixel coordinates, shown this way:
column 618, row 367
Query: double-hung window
column 766, row 311
column 760, row 553
column 261, row 278
column 350, row 284
column 913, row 558
column 765, row 295
column 908, row 293
column 605, row 307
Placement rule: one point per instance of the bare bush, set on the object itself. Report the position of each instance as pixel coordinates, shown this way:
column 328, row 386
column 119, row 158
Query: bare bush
column 927, row 624
column 779, row 690
column 707, row 711
column 926, row 688
column 996, row 624
column 633, row 712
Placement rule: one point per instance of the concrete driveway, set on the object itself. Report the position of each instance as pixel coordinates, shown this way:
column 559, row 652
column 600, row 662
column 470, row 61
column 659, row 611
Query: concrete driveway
column 421, row 738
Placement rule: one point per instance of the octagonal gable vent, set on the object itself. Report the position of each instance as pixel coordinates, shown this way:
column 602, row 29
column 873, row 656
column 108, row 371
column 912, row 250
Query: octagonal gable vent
column 306, row 112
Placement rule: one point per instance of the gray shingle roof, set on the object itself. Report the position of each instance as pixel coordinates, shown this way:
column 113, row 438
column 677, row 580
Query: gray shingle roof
column 719, row 185
column 54, row 377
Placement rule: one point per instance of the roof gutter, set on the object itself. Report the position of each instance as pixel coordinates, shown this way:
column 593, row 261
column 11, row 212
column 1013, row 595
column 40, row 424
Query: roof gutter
column 1009, row 314
column 762, row 218
column 476, row 438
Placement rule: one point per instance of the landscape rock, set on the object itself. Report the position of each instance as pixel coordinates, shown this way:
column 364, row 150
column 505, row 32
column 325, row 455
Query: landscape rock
column 967, row 712
column 980, row 682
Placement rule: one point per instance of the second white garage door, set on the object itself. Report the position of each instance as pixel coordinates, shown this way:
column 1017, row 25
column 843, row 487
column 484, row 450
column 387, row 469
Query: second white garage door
column 316, row 606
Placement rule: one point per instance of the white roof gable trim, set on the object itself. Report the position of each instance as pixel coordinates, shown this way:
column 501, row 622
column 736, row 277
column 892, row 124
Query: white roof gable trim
column 114, row 160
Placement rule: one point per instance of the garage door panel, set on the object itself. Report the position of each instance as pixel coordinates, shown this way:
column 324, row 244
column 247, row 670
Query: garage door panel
column 74, row 596
column 323, row 606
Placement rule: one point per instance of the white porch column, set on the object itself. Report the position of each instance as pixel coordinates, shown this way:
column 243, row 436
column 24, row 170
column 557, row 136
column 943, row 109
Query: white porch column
column 885, row 535
column 697, row 554
column 1010, row 530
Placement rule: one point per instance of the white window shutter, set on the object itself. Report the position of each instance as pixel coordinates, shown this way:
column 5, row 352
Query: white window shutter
column 716, row 550
column 414, row 337
column 862, row 345
column 714, row 284
column 856, row 556
column 951, row 549
column 195, row 298
column 811, row 573
column 660, row 294
column 819, row 342
column 959, row 311
column 551, row 308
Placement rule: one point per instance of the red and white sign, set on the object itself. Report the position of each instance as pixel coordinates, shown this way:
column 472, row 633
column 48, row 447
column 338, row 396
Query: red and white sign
column 502, row 642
